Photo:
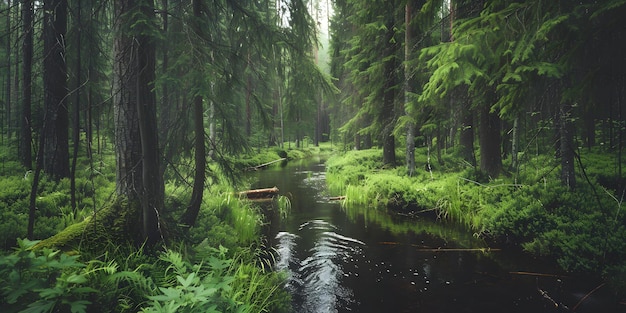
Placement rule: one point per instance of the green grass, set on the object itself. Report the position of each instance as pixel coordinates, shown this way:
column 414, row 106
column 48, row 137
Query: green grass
column 582, row 230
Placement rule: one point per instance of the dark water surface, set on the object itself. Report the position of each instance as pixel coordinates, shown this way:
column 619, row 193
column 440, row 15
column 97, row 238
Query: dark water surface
column 364, row 260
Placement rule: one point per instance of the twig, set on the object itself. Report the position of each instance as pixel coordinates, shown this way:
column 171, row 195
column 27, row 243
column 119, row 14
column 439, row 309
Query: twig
column 587, row 296
column 491, row 186
column 536, row 274
column 459, row 250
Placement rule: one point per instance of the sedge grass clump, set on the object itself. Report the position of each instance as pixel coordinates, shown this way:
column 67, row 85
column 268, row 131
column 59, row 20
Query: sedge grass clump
column 283, row 204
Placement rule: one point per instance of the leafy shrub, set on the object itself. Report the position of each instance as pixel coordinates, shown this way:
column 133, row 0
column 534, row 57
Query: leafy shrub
column 43, row 281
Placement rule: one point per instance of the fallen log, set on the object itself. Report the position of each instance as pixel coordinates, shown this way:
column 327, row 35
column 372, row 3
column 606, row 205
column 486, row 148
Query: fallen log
column 256, row 168
column 262, row 193
column 336, row 198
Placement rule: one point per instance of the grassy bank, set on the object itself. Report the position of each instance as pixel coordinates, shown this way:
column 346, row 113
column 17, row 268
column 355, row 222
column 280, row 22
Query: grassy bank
column 289, row 151
column 218, row 265
column 582, row 230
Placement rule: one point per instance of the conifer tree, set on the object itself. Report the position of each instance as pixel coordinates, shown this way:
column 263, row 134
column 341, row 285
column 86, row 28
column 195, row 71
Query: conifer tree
column 136, row 142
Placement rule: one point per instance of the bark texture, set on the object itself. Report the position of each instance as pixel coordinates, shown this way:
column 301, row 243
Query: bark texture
column 137, row 152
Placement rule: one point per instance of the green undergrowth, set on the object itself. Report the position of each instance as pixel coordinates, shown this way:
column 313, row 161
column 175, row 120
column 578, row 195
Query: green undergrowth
column 94, row 189
column 85, row 263
column 199, row 278
column 582, row 230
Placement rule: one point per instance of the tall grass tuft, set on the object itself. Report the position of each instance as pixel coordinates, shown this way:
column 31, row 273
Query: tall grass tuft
column 283, row 204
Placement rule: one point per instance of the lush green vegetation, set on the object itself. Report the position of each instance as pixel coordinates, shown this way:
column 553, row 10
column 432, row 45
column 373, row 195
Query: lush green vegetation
column 582, row 230
column 518, row 123
column 220, row 265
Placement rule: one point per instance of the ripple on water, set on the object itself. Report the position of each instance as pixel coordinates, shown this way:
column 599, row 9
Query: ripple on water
column 316, row 280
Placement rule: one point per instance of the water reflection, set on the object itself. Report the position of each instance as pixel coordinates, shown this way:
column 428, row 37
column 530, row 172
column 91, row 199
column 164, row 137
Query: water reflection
column 359, row 259
column 316, row 281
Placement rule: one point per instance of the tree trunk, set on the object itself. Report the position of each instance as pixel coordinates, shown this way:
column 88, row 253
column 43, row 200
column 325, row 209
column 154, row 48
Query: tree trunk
column 410, row 127
column 25, row 151
column 137, row 152
column 387, row 117
column 32, row 208
column 440, row 144
column 56, row 150
column 490, row 139
column 466, row 137
column 568, row 177
column 76, row 128
column 191, row 214
column 590, row 126
column 515, row 144
column 8, row 71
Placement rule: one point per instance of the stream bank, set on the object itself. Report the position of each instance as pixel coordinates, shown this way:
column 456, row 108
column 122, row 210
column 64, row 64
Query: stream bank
column 362, row 259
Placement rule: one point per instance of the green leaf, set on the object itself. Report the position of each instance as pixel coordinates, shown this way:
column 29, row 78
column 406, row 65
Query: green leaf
column 39, row 306
column 168, row 294
column 79, row 306
column 50, row 293
column 511, row 76
column 76, row 279
column 186, row 282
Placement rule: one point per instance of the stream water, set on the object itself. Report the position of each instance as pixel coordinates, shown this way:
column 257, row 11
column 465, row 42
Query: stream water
column 366, row 260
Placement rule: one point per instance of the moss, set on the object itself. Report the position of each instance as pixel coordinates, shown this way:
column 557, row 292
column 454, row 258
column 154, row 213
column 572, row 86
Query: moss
column 116, row 223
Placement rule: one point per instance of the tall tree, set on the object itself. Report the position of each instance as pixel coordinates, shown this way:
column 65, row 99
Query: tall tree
column 25, row 150
column 410, row 126
column 76, row 115
column 190, row 215
column 374, row 62
column 7, row 99
column 137, row 152
column 56, row 149
column 390, row 95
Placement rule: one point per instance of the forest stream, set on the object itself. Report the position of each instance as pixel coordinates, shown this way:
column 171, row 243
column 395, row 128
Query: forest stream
column 365, row 260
